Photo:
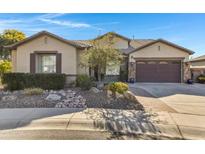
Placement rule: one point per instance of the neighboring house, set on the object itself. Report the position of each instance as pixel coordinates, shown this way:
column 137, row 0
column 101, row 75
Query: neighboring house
column 197, row 66
column 146, row 60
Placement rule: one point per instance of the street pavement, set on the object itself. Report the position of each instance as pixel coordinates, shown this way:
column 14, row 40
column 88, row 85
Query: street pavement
column 53, row 123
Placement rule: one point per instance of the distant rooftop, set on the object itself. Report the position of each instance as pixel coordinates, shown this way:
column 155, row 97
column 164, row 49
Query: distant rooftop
column 198, row 58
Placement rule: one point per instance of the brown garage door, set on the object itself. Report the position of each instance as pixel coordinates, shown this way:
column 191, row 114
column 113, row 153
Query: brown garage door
column 158, row 71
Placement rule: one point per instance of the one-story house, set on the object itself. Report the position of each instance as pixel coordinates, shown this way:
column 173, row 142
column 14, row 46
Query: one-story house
column 197, row 66
column 146, row 60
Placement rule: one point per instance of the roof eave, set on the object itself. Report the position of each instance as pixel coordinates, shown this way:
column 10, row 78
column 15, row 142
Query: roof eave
column 197, row 60
column 123, row 37
column 15, row 45
column 162, row 40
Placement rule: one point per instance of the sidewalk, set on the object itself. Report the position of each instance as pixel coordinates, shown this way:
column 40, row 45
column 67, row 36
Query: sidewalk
column 125, row 121
column 100, row 120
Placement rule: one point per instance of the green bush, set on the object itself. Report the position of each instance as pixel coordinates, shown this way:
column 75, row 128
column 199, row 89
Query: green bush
column 5, row 67
column 119, row 87
column 84, row 82
column 17, row 81
column 201, row 78
column 33, row 91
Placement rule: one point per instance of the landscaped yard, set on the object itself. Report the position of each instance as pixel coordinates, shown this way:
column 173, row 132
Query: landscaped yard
column 68, row 98
column 41, row 99
column 101, row 100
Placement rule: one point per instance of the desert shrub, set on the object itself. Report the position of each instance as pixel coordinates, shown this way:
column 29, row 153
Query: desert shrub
column 201, row 78
column 119, row 87
column 84, row 82
column 33, row 91
column 17, row 81
column 5, row 67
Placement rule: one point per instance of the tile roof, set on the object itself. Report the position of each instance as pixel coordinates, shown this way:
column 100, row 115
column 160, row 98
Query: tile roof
column 126, row 51
column 83, row 43
column 166, row 42
column 71, row 42
column 113, row 33
column 143, row 41
column 198, row 58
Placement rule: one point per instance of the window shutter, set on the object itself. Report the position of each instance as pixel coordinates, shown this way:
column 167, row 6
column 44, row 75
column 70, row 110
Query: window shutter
column 58, row 63
column 32, row 63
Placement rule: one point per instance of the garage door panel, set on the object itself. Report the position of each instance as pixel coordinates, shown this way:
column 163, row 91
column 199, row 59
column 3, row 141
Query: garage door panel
column 143, row 74
column 157, row 72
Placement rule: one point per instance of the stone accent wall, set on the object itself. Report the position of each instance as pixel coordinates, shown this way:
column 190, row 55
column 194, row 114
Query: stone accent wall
column 187, row 71
column 132, row 70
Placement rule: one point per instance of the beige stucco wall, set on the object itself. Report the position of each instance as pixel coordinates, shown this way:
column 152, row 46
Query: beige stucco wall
column 69, row 55
column 152, row 51
column 13, row 60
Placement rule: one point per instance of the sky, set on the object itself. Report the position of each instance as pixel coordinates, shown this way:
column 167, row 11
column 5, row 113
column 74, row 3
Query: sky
column 187, row 30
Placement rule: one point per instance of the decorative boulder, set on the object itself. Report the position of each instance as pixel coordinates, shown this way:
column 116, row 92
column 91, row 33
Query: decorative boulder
column 69, row 91
column 67, row 100
column 62, row 92
column 9, row 98
column 53, row 97
column 100, row 85
column 70, row 95
column 94, row 90
column 60, row 105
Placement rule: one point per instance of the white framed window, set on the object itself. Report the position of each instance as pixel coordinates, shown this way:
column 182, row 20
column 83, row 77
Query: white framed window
column 46, row 63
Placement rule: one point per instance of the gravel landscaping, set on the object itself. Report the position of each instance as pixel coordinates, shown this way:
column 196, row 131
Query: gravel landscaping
column 48, row 99
column 69, row 98
column 101, row 100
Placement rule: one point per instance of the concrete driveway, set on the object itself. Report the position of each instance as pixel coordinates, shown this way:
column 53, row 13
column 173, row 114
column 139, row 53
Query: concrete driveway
column 187, row 103
column 188, row 99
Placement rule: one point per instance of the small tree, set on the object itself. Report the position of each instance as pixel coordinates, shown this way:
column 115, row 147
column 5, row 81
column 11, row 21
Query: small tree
column 101, row 55
column 9, row 37
column 5, row 67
